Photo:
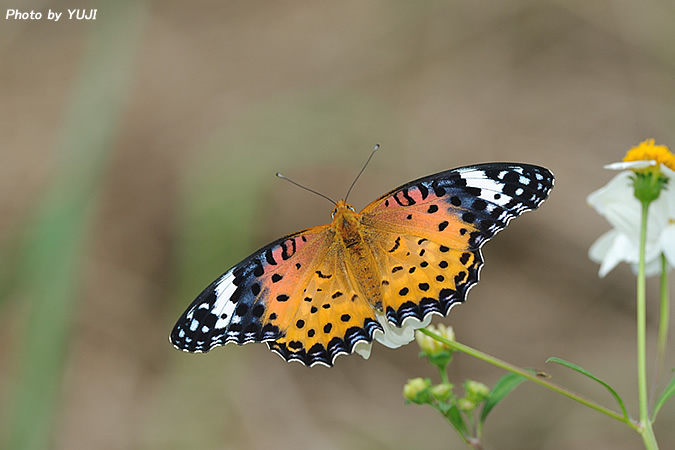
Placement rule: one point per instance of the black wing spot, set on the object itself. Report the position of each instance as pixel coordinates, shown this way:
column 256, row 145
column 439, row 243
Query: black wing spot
column 468, row 217
column 423, row 190
column 258, row 310
column 276, row 277
column 300, row 323
column 255, row 289
column 321, row 275
column 327, row 327
column 345, row 317
column 326, row 306
column 295, row 345
column 479, row 204
column 443, row 249
column 455, row 201
column 273, row 316
column 396, row 269
column 269, row 256
column 282, row 298
column 465, row 258
column 313, row 310
column 423, row 286
column 397, row 243
column 438, row 189
column 443, row 264
column 403, row 292
column 432, row 209
column 311, row 333
column 443, row 225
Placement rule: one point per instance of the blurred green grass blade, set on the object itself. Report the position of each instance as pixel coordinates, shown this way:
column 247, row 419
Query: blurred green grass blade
column 501, row 389
column 583, row 371
column 49, row 270
column 667, row 393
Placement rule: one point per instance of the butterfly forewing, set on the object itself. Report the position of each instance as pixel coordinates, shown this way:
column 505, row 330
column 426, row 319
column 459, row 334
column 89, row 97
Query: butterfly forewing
column 248, row 302
column 429, row 232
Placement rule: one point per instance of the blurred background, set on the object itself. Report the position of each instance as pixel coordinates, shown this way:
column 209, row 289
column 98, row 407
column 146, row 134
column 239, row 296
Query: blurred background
column 137, row 161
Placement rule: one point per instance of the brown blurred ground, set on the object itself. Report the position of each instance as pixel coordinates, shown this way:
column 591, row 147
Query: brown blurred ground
column 226, row 93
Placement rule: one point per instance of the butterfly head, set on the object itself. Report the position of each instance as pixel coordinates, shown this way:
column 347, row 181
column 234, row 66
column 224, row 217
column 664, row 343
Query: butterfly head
column 345, row 218
column 342, row 208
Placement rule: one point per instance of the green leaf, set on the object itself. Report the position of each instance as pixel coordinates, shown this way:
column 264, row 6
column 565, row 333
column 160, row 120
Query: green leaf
column 457, row 421
column 593, row 377
column 506, row 384
column 667, row 393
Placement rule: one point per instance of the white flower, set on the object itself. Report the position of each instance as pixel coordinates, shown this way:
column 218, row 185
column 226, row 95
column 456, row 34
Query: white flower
column 617, row 203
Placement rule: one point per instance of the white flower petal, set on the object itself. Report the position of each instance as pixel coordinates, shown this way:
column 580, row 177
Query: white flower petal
column 609, row 250
column 395, row 337
column 615, row 201
column 623, row 165
column 363, row 348
column 668, row 244
column 668, row 172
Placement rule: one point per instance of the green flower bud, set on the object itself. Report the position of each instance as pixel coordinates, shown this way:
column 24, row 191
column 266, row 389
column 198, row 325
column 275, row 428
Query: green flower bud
column 466, row 405
column 431, row 346
column 416, row 390
column 442, row 392
column 476, row 391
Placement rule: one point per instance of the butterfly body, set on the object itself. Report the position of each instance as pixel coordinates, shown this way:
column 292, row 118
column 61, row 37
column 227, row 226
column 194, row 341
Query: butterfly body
column 372, row 275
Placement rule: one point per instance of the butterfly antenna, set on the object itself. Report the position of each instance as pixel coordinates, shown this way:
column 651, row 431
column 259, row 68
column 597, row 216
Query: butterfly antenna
column 362, row 169
column 306, row 188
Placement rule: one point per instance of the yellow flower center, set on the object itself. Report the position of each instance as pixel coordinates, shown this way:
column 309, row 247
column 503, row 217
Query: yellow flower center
column 647, row 151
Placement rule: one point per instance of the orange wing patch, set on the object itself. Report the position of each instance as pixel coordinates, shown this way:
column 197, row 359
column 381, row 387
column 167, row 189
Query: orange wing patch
column 421, row 276
column 330, row 316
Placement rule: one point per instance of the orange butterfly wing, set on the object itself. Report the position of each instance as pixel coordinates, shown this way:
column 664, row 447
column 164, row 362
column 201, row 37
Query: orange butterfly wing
column 428, row 233
column 293, row 294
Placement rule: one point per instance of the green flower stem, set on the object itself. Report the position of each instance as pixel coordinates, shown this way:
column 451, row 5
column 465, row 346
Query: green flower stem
column 525, row 374
column 664, row 316
column 444, row 375
column 645, row 430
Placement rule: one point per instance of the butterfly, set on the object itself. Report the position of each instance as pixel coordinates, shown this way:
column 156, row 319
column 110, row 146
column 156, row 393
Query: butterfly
column 377, row 274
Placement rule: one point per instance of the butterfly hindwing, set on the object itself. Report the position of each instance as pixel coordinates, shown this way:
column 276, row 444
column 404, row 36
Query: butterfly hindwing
column 429, row 232
column 331, row 315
